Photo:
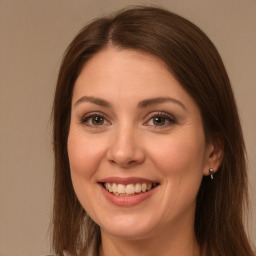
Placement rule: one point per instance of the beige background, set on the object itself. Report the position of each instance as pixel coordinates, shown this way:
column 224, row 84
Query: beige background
column 34, row 35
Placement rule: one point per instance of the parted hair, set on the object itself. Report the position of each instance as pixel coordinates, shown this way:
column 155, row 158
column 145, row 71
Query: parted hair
column 194, row 61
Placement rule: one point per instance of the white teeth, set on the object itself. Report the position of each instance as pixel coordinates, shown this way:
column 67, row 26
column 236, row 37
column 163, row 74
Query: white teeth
column 114, row 188
column 130, row 189
column 120, row 189
column 138, row 188
column 144, row 187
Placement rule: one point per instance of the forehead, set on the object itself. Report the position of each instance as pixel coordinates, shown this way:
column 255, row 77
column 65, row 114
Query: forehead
column 121, row 74
column 115, row 63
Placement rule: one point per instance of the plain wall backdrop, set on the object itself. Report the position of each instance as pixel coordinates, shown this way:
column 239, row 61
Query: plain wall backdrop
column 34, row 35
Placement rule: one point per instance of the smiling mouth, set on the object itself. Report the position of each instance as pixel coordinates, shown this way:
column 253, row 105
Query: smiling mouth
column 129, row 189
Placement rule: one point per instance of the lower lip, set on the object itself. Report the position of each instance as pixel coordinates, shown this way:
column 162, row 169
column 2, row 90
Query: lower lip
column 127, row 200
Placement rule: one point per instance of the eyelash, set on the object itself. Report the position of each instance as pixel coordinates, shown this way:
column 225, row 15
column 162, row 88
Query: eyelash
column 84, row 120
column 167, row 117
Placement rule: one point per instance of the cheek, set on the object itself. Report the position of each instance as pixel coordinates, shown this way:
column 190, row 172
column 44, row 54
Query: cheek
column 179, row 155
column 84, row 154
column 180, row 162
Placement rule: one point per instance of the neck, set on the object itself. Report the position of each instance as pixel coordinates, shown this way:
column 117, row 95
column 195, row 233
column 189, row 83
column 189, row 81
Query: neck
column 167, row 242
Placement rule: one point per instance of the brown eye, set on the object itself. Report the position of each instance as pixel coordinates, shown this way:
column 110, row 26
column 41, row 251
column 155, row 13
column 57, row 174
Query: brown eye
column 97, row 120
column 94, row 120
column 159, row 121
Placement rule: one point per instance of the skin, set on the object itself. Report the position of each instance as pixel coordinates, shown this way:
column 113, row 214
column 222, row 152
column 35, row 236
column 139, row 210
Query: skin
column 130, row 143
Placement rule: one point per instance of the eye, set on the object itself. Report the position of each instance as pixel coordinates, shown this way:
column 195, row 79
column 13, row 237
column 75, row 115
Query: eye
column 160, row 119
column 94, row 119
column 97, row 120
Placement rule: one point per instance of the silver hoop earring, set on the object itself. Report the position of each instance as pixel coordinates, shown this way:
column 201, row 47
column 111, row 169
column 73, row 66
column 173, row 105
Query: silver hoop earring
column 211, row 171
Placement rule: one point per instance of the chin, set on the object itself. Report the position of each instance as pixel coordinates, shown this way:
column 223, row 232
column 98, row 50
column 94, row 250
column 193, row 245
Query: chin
column 129, row 227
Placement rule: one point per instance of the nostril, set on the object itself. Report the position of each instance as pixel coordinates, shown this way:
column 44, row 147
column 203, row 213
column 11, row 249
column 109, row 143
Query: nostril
column 124, row 164
column 131, row 162
column 112, row 161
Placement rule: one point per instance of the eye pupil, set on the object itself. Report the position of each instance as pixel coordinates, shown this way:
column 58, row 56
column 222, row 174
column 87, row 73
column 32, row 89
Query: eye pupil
column 97, row 120
column 159, row 121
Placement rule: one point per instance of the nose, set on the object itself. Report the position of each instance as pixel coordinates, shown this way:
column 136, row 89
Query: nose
column 126, row 149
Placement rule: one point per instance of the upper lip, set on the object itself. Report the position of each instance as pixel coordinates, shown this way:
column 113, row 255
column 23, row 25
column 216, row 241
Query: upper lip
column 126, row 181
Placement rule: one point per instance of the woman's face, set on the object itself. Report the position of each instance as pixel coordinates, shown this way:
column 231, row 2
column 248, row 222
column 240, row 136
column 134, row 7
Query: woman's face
column 134, row 126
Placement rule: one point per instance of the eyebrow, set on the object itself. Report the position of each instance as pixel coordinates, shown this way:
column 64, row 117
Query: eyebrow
column 149, row 102
column 142, row 104
column 97, row 101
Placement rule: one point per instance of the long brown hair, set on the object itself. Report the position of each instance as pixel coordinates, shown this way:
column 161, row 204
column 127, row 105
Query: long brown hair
column 196, row 64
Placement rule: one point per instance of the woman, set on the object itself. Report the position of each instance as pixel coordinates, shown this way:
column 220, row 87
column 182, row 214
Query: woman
column 149, row 152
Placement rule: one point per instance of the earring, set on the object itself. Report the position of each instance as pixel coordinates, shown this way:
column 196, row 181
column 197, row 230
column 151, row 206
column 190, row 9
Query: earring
column 211, row 171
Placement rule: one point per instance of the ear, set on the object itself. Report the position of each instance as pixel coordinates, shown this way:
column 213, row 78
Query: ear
column 214, row 154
